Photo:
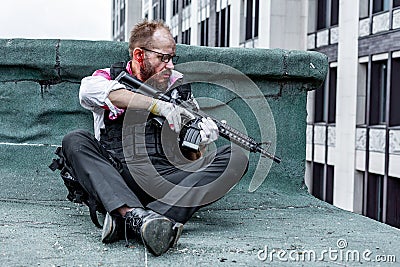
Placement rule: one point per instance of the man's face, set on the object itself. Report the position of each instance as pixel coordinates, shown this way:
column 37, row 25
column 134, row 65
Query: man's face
column 156, row 72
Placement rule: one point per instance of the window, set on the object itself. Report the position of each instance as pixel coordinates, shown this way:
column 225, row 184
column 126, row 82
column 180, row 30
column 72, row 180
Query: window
column 223, row 28
column 364, row 9
column 325, row 99
column 378, row 92
column 334, row 12
column 122, row 16
column 362, row 81
column 318, row 181
column 327, row 13
column 162, row 10
column 329, row 184
column 175, row 7
column 252, row 19
column 396, row 3
column 319, row 104
column 332, row 95
column 256, row 17
column 393, row 202
column 374, row 196
column 322, row 14
column 394, row 115
column 380, row 5
column 155, row 11
column 113, row 18
column 204, row 33
column 186, row 37
column 185, row 3
column 322, row 185
column 312, row 16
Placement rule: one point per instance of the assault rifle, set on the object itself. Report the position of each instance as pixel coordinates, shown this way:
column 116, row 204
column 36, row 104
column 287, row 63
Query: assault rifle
column 190, row 133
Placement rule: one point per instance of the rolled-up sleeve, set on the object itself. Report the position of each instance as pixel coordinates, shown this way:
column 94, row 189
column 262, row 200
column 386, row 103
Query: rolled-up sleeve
column 94, row 91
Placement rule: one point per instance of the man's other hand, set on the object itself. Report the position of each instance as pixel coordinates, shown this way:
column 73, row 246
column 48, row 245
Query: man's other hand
column 209, row 131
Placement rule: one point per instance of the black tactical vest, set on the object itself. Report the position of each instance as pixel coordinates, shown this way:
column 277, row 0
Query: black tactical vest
column 141, row 130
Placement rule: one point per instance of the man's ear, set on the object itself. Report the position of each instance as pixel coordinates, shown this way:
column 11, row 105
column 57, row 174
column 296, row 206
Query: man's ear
column 138, row 55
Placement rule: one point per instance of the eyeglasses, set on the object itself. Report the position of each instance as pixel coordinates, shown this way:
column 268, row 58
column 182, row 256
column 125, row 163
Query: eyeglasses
column 164, row 57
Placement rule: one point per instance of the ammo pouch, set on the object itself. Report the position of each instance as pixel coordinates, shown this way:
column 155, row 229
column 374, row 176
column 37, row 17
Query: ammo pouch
column 76, row 193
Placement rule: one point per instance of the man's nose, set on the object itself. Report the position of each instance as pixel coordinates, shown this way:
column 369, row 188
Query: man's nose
column 170, row 64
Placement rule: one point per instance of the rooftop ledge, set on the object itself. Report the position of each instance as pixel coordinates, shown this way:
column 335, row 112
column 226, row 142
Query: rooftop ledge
column 278, row 224
column 69, row 60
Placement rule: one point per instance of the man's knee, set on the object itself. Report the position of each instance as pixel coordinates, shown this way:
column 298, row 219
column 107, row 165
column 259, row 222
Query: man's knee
column 75, row 140
column 75, row 137
column 238, row 160
column 234, row 153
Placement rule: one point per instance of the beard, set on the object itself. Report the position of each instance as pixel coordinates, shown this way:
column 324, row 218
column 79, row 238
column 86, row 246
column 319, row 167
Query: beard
column 156, row 80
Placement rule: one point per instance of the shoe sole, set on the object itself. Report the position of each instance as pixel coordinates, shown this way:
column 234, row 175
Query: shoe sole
column 178, row 228
column 158, row 235
column 109, row 233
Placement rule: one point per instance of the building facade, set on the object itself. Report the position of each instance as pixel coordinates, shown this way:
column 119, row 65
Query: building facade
column 222, row 23
column 125, row 14
column 353, row 124
column 353, row 132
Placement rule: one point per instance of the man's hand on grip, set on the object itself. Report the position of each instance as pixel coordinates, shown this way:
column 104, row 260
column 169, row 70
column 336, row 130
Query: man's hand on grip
column 171, row 112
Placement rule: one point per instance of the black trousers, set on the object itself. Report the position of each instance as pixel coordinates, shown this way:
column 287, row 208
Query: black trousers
column 177, row 193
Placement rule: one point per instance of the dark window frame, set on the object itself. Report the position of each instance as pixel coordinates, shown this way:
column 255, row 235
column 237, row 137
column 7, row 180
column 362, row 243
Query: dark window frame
column 325, row 99
column 186, row 36
column 122, row 16
column 364, row 13
column 175, row 7
column 378, row 91
column 319, row 100
column 332, row 89
column 394, row 107
column 334, row 13
column 318, row 180
column 156, row 11
column 204, row 28
column 322, row 14
column 393, row 202
column 251, row 26
column 222, row 27
column 379, row 6
column 185, row 3
column 330, row 178
column 162, row 10
column 374, row 197
column 327, row 14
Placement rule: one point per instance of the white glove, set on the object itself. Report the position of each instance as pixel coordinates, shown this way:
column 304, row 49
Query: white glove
column 171, row 112
column 209, row 131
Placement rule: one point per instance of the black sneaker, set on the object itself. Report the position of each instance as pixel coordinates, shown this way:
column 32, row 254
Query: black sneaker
column 157, row 232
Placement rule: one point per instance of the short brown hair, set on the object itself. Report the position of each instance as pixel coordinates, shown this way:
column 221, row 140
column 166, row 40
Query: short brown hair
column 142, row 34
